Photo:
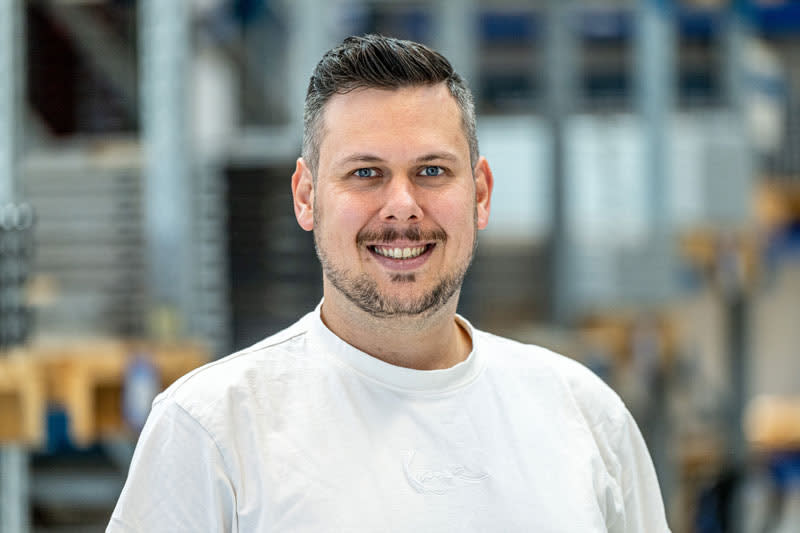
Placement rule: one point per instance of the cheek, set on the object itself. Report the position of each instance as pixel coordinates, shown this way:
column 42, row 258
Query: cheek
column 456, row 212
column 346, row 216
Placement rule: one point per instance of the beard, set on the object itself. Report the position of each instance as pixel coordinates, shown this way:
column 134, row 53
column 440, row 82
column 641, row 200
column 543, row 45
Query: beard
column 362, row 290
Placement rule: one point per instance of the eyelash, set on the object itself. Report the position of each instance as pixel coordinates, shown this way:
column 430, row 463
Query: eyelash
column 441, row 171
column 356, row 172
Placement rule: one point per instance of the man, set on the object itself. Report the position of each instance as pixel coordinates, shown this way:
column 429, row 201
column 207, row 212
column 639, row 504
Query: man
column 382, row 410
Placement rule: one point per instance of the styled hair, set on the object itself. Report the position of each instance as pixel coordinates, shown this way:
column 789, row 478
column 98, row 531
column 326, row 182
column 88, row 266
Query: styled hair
column 378, row 62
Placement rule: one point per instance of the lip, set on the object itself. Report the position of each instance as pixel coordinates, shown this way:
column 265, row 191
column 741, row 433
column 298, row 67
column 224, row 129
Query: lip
column 405, row 265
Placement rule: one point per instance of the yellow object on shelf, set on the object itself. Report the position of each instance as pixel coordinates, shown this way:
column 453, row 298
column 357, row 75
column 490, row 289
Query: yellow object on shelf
column 22, row 400
column 773, row 423
column 85, row 379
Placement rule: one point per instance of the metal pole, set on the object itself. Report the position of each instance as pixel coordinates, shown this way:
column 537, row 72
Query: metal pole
column 655, row 92
column 655, row 76
column 168, row 192
column 309, row 38
column 457, row 35
column 737, row 31
column 14, row 473
column 14, row 490
column 11, row 88
column 562, row 50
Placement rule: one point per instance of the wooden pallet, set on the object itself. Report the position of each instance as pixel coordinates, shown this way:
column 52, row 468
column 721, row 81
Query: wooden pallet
column 22, row 400
column 86, row 380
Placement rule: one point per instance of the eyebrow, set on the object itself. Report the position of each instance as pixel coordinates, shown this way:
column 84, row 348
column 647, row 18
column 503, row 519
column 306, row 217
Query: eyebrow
column 372, row 158
column 359, row 158
column 447, row 156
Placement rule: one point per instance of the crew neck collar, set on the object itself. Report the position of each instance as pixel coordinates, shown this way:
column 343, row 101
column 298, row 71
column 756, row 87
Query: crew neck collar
column 397, row 377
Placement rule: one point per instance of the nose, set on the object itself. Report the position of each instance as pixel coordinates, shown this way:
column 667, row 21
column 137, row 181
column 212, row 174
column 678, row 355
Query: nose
column 401, row 203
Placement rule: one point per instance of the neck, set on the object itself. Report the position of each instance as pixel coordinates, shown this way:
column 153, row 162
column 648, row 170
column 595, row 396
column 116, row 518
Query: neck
column 429, row 342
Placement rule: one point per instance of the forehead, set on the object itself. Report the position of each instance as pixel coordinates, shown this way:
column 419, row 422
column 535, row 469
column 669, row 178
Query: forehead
column 392, row 124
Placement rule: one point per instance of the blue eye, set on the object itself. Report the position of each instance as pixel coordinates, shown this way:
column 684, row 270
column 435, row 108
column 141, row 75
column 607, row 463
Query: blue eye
column 433, row 171
column 365, row 172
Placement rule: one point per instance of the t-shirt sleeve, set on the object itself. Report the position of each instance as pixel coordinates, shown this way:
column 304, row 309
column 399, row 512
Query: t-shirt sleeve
column 643, row 508
column 633, row 502
column 177, row 479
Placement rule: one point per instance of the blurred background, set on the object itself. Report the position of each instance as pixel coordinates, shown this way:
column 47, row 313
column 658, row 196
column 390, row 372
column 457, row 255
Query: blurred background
column 646, row 220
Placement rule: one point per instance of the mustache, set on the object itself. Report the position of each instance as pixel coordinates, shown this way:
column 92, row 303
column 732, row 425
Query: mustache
column 388, row 235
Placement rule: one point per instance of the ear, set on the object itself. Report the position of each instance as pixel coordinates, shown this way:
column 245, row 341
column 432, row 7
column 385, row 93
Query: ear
column 303, row 195
column 484, row 182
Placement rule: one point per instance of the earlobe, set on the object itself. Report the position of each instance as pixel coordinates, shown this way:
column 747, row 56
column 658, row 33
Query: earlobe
column 303, row 195
column 484, row 182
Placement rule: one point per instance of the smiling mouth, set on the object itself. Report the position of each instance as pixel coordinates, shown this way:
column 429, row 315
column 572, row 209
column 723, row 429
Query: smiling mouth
column 400, row 253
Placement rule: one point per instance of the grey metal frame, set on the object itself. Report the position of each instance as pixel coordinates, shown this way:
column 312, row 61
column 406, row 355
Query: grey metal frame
column 11, row 90
column 14, row 473
column 562, row 51
column 164, row 63
column 655, row 66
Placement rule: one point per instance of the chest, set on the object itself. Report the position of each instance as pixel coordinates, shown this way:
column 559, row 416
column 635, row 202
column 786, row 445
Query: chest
column 368, row 460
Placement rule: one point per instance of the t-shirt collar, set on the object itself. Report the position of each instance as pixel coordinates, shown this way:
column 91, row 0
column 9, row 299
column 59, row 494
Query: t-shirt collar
column 397, row 377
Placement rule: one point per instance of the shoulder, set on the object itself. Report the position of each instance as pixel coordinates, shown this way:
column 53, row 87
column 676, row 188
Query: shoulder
column 579, row 397
column 202, row 392
column 598, row 403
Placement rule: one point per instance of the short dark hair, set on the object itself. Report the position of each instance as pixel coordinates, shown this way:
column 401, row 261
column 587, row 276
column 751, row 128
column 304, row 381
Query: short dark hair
column 379, row 62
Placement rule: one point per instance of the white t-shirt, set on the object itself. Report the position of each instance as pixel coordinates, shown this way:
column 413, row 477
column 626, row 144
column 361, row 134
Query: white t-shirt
column 304, row 433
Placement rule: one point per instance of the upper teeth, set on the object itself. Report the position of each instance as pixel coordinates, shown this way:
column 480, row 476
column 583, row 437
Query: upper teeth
column 400, row 253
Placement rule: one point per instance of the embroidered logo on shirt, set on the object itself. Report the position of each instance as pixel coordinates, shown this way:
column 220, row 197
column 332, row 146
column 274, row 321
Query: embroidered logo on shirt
column 437, row 473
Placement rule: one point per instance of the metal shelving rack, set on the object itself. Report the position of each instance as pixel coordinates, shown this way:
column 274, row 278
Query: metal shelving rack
column 14, row 479
column 181, row 240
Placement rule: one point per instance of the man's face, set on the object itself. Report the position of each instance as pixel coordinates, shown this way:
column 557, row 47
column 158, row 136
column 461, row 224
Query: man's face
column 395, row 207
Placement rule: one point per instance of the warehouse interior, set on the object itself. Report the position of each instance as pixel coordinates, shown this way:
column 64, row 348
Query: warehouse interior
column 646, row 220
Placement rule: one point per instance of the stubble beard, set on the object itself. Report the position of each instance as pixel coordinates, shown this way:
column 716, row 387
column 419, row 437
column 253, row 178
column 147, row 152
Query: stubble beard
column 362, row 290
